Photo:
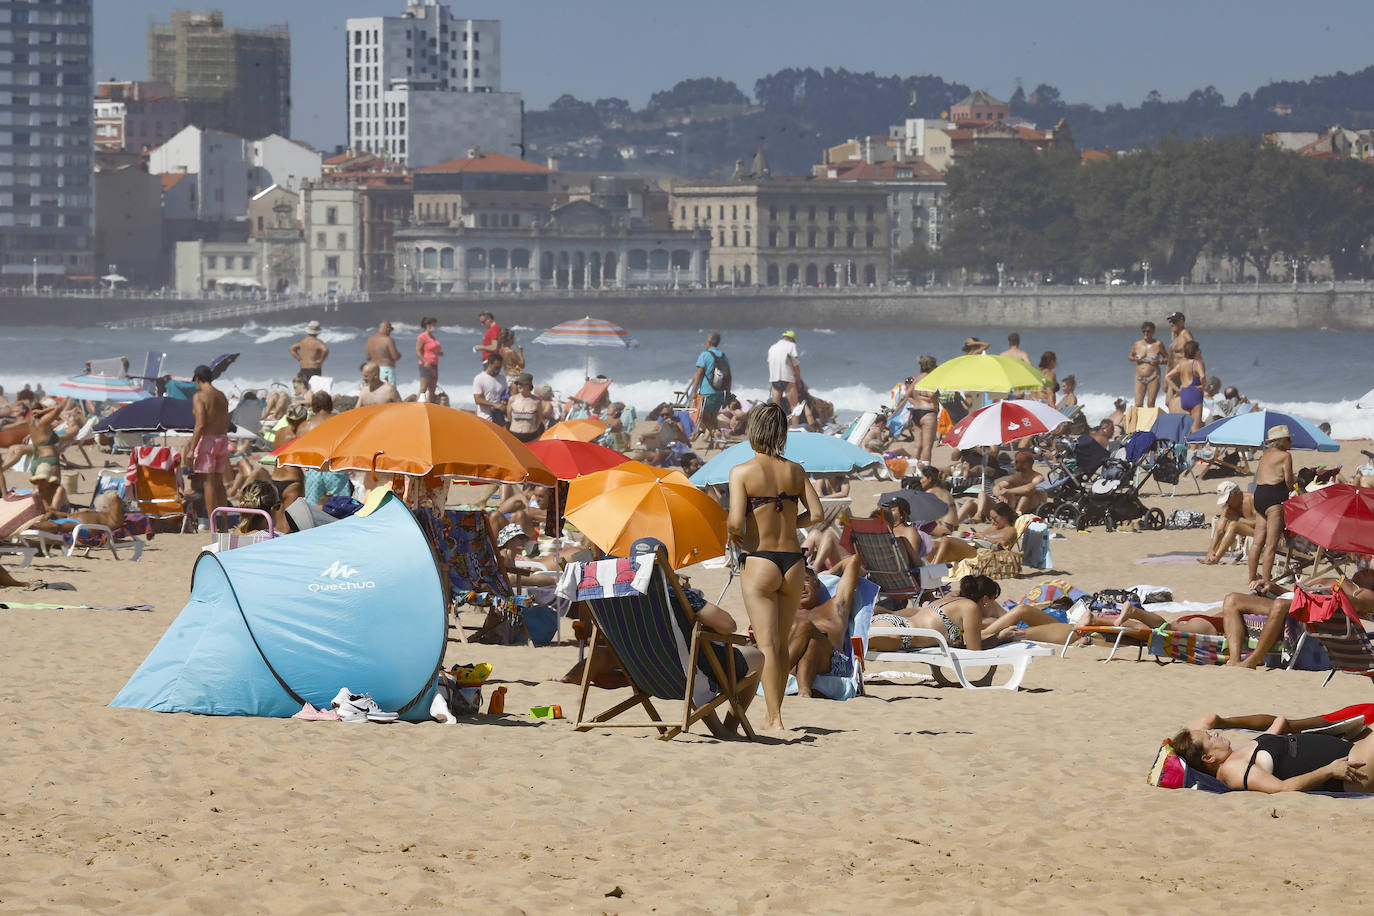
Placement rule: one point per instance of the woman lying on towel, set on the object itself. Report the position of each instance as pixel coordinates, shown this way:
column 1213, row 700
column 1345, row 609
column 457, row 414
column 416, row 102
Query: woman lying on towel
column 1000, row 534
column 1287, row 757
column 960, row 617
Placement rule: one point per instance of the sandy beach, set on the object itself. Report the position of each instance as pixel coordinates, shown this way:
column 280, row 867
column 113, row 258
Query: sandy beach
column 970, row 801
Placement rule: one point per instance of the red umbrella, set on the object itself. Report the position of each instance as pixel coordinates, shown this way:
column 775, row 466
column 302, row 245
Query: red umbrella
column 1339, row 517
column 569, row 458
column 1004, row 421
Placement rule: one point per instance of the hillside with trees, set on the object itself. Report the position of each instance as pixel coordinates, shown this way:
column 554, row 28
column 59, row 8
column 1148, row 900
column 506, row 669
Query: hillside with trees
column 701, row 126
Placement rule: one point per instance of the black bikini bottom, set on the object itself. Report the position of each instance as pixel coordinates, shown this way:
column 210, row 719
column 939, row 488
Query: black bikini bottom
column 782, row 559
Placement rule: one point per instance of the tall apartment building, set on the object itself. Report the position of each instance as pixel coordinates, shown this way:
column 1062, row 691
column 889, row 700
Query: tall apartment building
column 46, row 195
column 234, row 80
column 425, row 86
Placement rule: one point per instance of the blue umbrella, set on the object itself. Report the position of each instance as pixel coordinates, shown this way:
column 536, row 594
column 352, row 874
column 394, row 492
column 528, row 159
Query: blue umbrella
column 151, row 415
column 815, row 452
column 1250, row 429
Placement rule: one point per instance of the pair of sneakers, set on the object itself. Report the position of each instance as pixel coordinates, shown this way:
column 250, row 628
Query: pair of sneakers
column 354, row 707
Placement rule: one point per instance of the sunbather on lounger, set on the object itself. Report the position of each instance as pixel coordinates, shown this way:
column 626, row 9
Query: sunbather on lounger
column 108, row 511
column 1279, row 761
column 960, row 617
column 816, row 644
column 1045, row 626
column 1360, row 588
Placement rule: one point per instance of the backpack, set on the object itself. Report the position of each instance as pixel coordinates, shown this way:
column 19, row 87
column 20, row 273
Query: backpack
column 718, row 376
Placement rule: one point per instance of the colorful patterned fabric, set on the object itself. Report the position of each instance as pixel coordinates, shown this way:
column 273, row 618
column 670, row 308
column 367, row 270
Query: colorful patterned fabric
column 1193, row 648
column 135, row 523
column 461, row 538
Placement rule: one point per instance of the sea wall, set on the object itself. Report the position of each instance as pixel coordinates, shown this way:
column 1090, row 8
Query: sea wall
column 1349, row 306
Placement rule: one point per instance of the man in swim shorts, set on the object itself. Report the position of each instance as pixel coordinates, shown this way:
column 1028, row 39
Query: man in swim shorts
column 816, row 644
column 310, row 352
column 208, row 451
column 381, row 349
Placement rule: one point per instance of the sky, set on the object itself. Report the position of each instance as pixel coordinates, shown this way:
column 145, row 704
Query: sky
column 1092, row 51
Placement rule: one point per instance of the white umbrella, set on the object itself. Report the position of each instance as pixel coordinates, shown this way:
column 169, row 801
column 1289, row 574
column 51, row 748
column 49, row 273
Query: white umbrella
column 114, row 278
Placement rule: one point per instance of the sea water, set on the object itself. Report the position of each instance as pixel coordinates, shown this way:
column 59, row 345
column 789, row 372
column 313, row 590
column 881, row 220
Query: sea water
column 1315, row 374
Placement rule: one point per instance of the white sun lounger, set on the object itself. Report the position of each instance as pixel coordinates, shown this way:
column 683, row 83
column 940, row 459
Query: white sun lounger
column 1017, row 656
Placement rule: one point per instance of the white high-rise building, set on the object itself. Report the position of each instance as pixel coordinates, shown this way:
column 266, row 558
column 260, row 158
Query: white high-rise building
column 425, row 86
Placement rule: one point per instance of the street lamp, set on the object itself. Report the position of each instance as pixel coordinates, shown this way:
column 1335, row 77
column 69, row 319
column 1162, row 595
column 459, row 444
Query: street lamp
column 1294, row 264
column 1145, row 266
column 1001, row 273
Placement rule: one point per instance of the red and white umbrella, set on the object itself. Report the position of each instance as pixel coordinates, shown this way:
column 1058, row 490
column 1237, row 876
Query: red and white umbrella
column 1002, row 422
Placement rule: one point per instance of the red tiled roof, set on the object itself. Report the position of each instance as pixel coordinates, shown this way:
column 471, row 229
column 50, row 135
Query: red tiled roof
column 488, row 162
column 170, row 180
column 858, row 170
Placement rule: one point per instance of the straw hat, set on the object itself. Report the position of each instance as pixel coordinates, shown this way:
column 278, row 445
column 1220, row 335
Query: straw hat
column 1276, row 433
column 1224, row 491
column 312, row 327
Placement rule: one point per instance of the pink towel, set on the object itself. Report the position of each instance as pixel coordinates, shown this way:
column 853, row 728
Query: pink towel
column 159, row 457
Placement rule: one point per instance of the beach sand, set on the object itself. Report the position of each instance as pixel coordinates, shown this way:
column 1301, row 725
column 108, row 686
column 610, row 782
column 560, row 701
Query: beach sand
column 970, row 801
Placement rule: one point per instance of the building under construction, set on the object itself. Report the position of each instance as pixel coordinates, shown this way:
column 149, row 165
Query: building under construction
column 234, row 80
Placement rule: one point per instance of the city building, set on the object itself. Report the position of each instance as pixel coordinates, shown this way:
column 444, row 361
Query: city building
column 216, row 267
column 767, row 231
column 915, row 197
column 386, row 201
column 331, row 220
column 425, row 85
column 484, row 189
column 979, row 108
column 233, row 80
column 922, row 138
column 228, row 170
column 46, row 172
column 132, row 116
column 1336, row 143
column 128, row 223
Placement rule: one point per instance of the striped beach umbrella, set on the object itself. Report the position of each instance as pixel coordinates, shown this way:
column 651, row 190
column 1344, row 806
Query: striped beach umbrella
column 587, row 332
column 103, row 388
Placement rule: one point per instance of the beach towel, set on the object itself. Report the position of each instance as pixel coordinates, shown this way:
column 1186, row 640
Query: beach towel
column 610, row 578
column 157, row 457
column 1170, row 772
column 135, row 523
column 460, row 536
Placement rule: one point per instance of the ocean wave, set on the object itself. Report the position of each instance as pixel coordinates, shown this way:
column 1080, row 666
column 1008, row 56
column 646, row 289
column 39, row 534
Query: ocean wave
column 201, row 335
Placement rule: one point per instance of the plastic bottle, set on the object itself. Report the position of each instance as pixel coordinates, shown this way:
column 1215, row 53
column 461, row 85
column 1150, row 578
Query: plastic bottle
column 497, row 705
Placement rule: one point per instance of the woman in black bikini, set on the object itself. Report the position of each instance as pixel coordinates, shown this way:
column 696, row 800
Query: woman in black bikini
column 925, row 413
column 1273, row 484
column 769, row 495
column 960, row 617
column 1280, row 762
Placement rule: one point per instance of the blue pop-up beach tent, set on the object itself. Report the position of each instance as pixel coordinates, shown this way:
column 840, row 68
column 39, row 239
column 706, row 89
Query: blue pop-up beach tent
column 355, row 604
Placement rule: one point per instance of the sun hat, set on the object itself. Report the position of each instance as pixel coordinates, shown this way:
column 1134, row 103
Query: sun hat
column 312, row 327
column 790, row 335
column 1224, row 491
column 1276, row 433
column 1175, row 316
column 510, row 533
column 524, row 378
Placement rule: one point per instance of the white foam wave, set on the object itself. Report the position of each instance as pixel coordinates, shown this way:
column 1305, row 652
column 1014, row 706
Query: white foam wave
column 277, row 333
column 458, row 330
column 201, row 335
column 335, row 336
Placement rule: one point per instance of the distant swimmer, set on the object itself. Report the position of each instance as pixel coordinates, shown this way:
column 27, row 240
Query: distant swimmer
column 1148, row 355
column 1014, row 348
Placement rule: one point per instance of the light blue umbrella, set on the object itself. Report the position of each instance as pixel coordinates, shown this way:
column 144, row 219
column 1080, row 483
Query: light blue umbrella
column 1250, row 429
column 818, row 454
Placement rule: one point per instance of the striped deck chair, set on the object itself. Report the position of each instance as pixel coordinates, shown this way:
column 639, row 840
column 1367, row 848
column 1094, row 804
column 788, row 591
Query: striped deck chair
column 1342, row 635
column 660, row 645
column 463, row 544
column 885, row 563
column 1194, row 648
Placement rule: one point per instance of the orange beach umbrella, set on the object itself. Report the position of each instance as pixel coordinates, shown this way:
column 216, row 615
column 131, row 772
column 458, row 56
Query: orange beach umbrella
column 417, row 439
column 584, row 429
column 616, row 507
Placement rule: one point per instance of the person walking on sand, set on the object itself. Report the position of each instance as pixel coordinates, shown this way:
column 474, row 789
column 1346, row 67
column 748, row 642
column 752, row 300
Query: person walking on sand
column 207, row 452
column 310, row 352
column 427, row 353
column 490, row 392
column 1014, row 348
column 703, row 382
column 769, row 497
column 784, row 371
column 1148, row 355
column 381, row 350
column 1273, row 483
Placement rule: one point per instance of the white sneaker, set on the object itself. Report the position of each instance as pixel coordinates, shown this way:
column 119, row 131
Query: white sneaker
column 362, row 708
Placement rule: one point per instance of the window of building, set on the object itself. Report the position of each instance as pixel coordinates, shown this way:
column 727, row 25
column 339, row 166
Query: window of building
column 343, row 240
column 321, row 240
column 870, row 213
column 734, row 237
column 830, row 239
column 811, row 214
column 476, row 73
column 331, row 266
column 792, row 212
column 851, row 214
column 868, row 240
column 358, row 37
column 830, row 214
column 211, row 262
column 811, row 239
column 849, row 239
column 734, row 211
column 746, row 238
column 682, row 215
column 247, row 262
column 431, row 257
column 792, row 238
column 331, row 216
column 696, row 212
column 773, row 213
column 746, row 211
column 446, row 258
column 772, row 238
column 722, row 211
column 722, row 238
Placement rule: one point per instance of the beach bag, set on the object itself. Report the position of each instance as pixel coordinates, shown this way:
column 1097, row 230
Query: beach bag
column 718, row 376
column 1315, row 608
column 1185, row 518
column 1303, row 654
column 16, row 512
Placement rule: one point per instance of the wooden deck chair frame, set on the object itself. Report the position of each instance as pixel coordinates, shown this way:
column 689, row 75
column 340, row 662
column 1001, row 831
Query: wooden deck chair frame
column 885, row 563
column 1299, row 564
column 665, row 580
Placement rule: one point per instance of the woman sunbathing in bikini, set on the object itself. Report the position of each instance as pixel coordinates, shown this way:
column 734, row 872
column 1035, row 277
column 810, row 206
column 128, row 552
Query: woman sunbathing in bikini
column 1050, row 626
column 960, row 617
column 1000, row 534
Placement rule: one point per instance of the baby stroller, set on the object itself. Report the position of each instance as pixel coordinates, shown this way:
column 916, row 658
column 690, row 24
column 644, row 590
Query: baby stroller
column 1108, row 498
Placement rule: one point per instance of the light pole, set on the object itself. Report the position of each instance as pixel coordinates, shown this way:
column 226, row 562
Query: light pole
column 1145, row 266
column 1001, row 274
column 1294, row 264
column 35, row 276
